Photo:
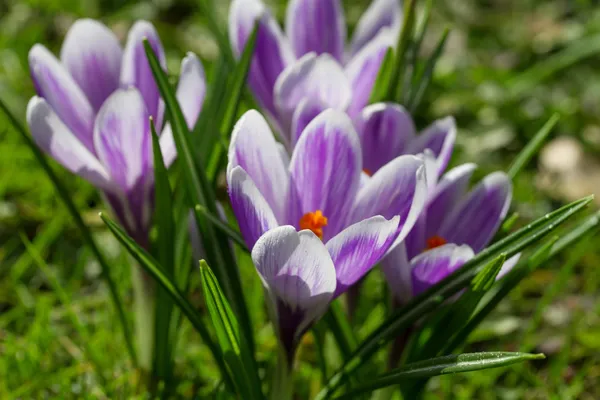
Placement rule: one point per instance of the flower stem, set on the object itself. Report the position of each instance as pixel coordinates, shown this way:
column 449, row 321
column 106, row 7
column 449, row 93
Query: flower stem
column 144, row 312
column 282, row 388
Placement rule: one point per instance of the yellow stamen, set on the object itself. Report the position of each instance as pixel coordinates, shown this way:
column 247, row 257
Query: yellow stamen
column 435, row 241
column 315, row 221
column 367, row 171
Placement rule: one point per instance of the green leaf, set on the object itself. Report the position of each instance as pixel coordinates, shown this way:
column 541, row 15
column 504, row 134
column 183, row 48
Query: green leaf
column 532, row 147
column 233, row 344
column 154, row 269
column 342, row 330
column 382, row 83
column 396, row 83
column 163, row 215
column 65, row 196
column 200, row 192
column 432, row 298
column 233, row 234
column 442, row 366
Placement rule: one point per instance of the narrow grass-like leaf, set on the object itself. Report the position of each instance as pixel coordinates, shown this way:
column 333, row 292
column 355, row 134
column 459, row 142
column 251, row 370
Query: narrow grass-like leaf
column 396, row 84
column 65, row 196
column 341, row 329
column 532, row 147
column 233, row 234
column 233, row 344
column 421, row 83
column 382, row 82
column 200, row 192
column 154, row 269
column 432, row 298
column 65, row 299
column 165, row 244
column 442, row 366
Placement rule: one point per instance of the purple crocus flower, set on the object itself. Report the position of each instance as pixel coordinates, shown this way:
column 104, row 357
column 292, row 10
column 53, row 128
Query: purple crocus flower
column 345, row 226
column 92, row 109
column 455, row 224
column 309, row 67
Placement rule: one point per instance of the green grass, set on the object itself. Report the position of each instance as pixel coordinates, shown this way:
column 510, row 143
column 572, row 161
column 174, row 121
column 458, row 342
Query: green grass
column 509, row 66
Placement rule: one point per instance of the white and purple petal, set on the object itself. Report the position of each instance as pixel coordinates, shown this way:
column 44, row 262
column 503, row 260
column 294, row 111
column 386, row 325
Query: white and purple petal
column 91, row 53
column 381, row 14
column 191, row 90
column 434, row 265
column 122, row 139
column 63, row 95
column 272, row 52
column 307, row 110
column 439, row 137
column 397, row 271
column 254, row 148
column 384, row 130
column 299, row 277
column 135, row 70
column 357, row 249
column 326, row 166
column 477, row 218
column 316, row 26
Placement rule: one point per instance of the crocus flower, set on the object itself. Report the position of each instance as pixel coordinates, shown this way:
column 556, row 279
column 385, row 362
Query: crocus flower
column 310, row 62
column 455, row 225
column 92, row 109
column 345, row 226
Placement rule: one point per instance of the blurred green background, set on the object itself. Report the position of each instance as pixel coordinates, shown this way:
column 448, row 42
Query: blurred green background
column 508, row 66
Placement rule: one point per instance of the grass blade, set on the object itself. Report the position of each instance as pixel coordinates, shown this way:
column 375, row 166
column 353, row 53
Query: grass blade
column 432, row 298
column 234, row 345
column 233, row 234
column 441, row 366
column 532, row 147
column 65, row 196
column 151, row 266
column 396, row 83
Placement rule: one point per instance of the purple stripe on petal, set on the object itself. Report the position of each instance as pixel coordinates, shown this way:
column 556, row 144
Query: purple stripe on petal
column 397, row 270
column 399, row 188
column 357, row 249
column 53, row 136
column 381, row 14
column 272, row 52
column 363, row 68
column 253, row 148
column 477, row 218
column 316, row 26
column 190, row 95
column 449, row 191
column 384, row 130
column 92, row 55
column 434, row 265
column 307, row 110
column 326, row 167
column 251, row 210
column 320, row 78
column 59, row 89
column 136, row 71
column 439, row 137
column 298, row 273
column 122, row 138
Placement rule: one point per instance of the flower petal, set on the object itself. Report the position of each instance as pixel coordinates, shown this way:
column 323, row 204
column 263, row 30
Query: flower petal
column 299, row 276
column 384, row 129
column 434, row 265
column 439, row 137
column 399, row 188
column 122, row 138
column 136, row 71
column 191, row 90
column 363, row 68
column 415, row 241
column 316, row 26
column 326, row 167
column 272, row 52
column 477, row 218
column 64, row 96
column 396, row 268
column 318, row 77
column 356, row 249
column 53, row 136
column 91, row 53
column 307, row 110
column 448, row 192
column 253, row 147
column 252, row 211
column 380, row 14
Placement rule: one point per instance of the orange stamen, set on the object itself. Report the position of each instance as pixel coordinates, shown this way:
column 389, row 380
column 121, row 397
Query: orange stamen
column 435, row 241
column 367, row 171
column 314, row 221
